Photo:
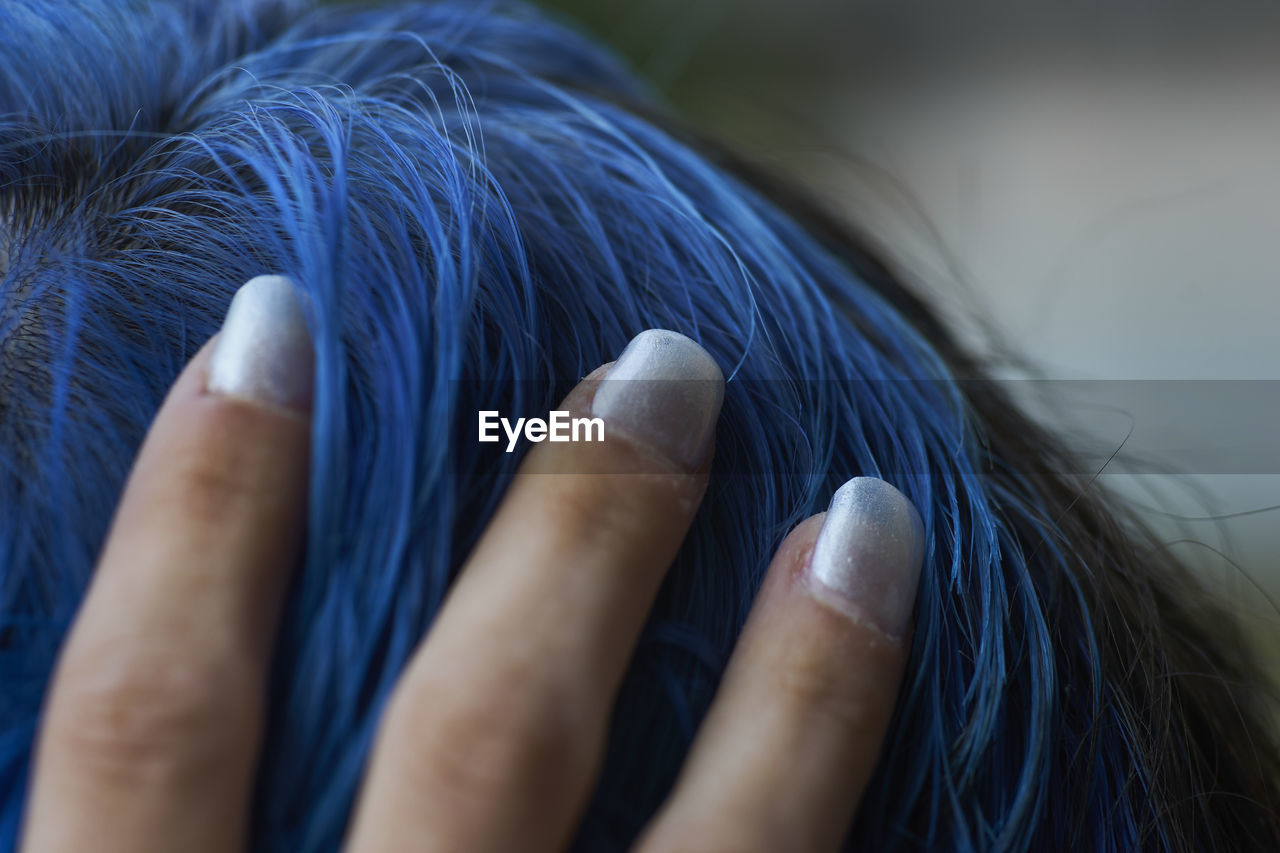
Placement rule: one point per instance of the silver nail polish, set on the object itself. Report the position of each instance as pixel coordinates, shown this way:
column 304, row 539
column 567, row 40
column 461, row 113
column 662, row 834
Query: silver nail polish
column 666, row 391
column 264, row 351
column 869, row 554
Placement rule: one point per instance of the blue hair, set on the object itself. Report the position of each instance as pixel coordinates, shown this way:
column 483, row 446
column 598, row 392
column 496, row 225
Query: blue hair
column 482, row 206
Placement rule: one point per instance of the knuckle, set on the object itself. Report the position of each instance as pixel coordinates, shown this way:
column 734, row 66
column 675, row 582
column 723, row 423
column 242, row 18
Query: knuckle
column 816, row 691
column 716, row 836
column 583, row 511
column 135, row 716
column 211, row 485
column 225, row 455
column 617, row 509
column 508, row 736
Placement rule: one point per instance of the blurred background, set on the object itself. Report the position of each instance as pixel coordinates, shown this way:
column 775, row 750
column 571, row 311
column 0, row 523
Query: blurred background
column 1088, row 190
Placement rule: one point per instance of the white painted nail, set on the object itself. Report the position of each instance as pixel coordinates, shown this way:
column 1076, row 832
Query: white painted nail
column 868, row 555
column 264, row 351
column 665, row 391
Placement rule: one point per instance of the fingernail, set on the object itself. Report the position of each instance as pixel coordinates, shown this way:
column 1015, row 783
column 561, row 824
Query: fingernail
column 264, row 350
column 664, row 390
column 869, row 554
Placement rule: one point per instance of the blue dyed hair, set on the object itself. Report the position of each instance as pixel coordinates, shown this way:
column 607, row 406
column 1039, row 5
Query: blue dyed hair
column 482, row 206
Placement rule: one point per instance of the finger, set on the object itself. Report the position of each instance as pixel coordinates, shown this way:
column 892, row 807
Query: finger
column 152, row 722
column 494, row 733
column 794, row 732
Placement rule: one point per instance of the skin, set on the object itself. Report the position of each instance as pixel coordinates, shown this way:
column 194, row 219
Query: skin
column 495, row 733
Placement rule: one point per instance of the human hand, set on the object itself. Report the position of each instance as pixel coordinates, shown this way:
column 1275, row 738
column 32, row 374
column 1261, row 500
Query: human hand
column 494, row 734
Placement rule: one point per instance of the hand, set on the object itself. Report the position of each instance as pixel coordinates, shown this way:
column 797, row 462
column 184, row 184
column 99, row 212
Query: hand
column 496, row 729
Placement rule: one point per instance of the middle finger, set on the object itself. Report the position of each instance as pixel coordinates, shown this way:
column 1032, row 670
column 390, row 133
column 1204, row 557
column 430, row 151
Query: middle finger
column 494, row 733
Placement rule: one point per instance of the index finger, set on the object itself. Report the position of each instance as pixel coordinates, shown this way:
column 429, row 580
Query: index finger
column 151, row 727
